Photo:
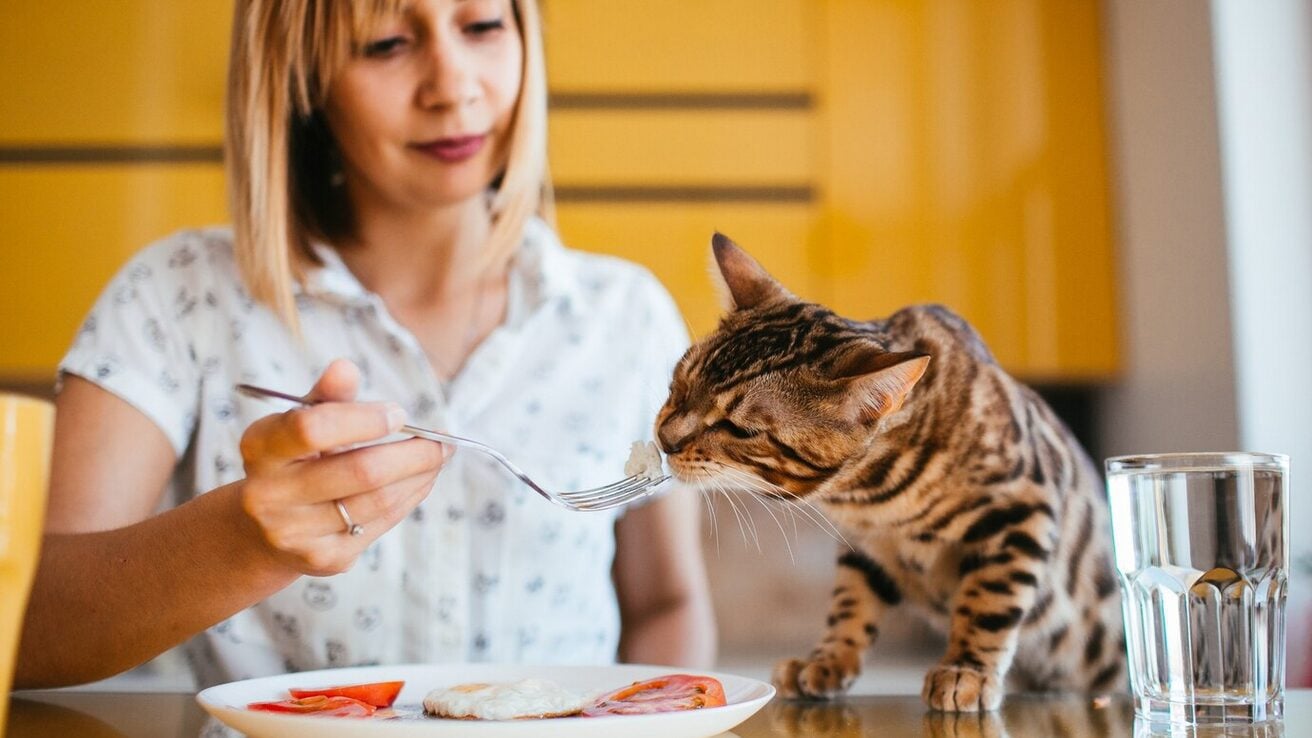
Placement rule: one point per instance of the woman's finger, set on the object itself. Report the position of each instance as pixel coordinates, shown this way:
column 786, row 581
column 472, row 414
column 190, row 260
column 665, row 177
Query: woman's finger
column 338, row 383
column 275, row 440
column 377, row 511
column 294, row 499
column 315, row 539
column 363, row 470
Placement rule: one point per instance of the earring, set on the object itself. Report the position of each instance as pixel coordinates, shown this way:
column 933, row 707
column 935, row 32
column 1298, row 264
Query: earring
column 336, row 170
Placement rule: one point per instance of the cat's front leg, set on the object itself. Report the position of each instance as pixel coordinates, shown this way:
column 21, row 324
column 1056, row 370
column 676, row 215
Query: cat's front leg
column 1008, row 556
column 862, row 592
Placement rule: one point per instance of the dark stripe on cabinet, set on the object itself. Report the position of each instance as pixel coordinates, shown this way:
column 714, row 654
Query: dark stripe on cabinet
column 679, row 100
column 569, row 193
column 112, row 154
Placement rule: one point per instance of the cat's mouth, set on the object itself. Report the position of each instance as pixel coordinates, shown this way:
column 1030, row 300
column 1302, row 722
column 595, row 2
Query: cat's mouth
column 717, row 477
column 692, row 472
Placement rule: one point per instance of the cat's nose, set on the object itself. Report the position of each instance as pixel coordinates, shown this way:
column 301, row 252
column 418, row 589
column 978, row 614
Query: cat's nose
column 676, row 431
column 671, row 441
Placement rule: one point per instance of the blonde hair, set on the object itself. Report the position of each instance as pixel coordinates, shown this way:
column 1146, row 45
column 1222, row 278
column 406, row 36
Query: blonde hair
column 283, row 57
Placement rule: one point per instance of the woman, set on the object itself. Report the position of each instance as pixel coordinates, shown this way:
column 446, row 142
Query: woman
column 384, row 167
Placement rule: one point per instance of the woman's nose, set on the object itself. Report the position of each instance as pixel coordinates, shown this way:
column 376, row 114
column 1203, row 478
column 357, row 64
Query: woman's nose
column 448, row 79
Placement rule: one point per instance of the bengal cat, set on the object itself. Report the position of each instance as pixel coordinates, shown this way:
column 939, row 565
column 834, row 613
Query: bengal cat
column 957, row 488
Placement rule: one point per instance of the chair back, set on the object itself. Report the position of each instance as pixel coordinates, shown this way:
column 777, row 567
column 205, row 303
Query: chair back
column 26, row 429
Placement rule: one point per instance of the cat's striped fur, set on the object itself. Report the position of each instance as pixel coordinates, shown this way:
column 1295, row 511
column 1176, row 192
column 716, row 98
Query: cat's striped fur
column 958, row 489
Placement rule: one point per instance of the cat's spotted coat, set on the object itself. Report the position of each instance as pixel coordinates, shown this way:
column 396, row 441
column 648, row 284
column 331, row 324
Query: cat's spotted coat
column 959, row 490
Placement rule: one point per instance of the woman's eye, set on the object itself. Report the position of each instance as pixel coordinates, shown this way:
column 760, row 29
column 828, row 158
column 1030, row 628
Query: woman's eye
column 385, row 46
column 481, row 28
column 735, row 430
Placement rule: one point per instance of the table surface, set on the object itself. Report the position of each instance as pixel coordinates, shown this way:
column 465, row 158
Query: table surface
column 172, row 715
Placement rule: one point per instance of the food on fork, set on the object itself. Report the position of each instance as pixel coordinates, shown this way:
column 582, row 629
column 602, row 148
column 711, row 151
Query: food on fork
column 644, row 461
column 526, row 698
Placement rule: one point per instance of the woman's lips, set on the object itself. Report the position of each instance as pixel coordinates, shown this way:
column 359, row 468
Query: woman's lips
column 453, row 149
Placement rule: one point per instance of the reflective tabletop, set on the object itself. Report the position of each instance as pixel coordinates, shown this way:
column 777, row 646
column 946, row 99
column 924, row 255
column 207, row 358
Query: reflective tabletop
column 61, row 714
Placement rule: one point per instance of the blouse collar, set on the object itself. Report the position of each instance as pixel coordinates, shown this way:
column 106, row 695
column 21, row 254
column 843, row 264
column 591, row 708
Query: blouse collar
column 541, row 271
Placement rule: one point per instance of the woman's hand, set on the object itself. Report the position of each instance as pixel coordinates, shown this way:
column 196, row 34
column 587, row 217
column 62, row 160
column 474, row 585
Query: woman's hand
column 299, row 463
column 118, row 584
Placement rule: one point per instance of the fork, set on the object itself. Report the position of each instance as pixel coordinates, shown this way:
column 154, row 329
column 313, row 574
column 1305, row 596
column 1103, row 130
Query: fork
column 609, row 496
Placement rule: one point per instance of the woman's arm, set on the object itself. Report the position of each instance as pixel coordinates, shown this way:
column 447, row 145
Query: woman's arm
column 660, row 578
column 116, row 586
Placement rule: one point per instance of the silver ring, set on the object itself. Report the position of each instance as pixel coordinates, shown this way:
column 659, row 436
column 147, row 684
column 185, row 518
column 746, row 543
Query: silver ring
column 352, row 528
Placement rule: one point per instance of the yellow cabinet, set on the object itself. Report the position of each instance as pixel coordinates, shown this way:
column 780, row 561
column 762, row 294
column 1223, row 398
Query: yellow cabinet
column 872, row 153
column 66, row 229
column 111, row 138
column 144, row 72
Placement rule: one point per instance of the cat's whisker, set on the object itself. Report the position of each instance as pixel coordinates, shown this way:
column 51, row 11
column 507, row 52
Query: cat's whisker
column 687, row 325
column 799, row 501
column 761, row 501
column 743, row 518
column 710, row 510
column 741, row 528
column 747, row 485
column 708, row 486
column 810, row 509
column 789, row 509
column 751, row 522
column 816, row 518
column 791, row 512
column 801, row 504
column 792, row 515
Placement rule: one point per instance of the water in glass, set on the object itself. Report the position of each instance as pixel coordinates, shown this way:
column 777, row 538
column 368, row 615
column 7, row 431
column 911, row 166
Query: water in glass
column 1201, row 549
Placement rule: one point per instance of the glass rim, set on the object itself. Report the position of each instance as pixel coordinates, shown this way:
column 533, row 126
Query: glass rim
column 1197, row 460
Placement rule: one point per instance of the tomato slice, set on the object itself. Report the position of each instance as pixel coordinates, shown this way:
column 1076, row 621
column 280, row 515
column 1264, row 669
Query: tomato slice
column 663, row 694
column 378, row 694
column 324, row 705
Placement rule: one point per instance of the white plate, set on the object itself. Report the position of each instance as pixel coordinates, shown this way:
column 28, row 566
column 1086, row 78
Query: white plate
column 227, row 702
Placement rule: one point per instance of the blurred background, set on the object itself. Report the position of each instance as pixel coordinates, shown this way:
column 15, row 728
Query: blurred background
column 1117, row 193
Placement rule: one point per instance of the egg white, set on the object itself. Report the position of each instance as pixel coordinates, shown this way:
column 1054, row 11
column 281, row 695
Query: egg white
column 526, row 698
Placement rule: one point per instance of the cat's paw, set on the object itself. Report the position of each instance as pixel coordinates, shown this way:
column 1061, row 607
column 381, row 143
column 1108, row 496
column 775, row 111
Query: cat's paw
column 820, row 677
column 961, row 689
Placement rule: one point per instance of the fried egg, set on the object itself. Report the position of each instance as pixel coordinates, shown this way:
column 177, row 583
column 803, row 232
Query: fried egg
column 526, row 698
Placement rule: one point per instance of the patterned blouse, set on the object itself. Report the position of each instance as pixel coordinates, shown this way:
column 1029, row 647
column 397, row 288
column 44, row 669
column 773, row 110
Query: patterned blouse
column 483, row 569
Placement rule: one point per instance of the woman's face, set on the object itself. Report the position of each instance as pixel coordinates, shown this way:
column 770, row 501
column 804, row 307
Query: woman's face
column 421, row 112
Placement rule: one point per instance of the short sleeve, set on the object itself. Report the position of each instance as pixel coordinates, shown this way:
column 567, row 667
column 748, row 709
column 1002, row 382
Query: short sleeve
column 135, row 341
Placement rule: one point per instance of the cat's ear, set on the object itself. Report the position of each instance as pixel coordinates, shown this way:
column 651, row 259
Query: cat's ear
column 877, row 381
column 742, row 282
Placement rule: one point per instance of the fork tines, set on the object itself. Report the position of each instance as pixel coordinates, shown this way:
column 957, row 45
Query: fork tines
column 613, row 495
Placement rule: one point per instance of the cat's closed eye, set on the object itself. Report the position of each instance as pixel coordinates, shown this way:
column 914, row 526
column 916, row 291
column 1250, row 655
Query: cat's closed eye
column 735, row 430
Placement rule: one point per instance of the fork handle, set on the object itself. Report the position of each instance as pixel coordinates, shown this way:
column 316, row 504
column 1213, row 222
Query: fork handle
column 431, row 435
column 441, row 437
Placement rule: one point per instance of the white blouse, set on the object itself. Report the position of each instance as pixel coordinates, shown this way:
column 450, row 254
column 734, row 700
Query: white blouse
column 483, row 569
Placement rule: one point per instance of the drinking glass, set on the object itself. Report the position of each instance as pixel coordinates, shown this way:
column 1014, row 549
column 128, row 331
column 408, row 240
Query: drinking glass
column 26, row 425
column 1202, row 552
